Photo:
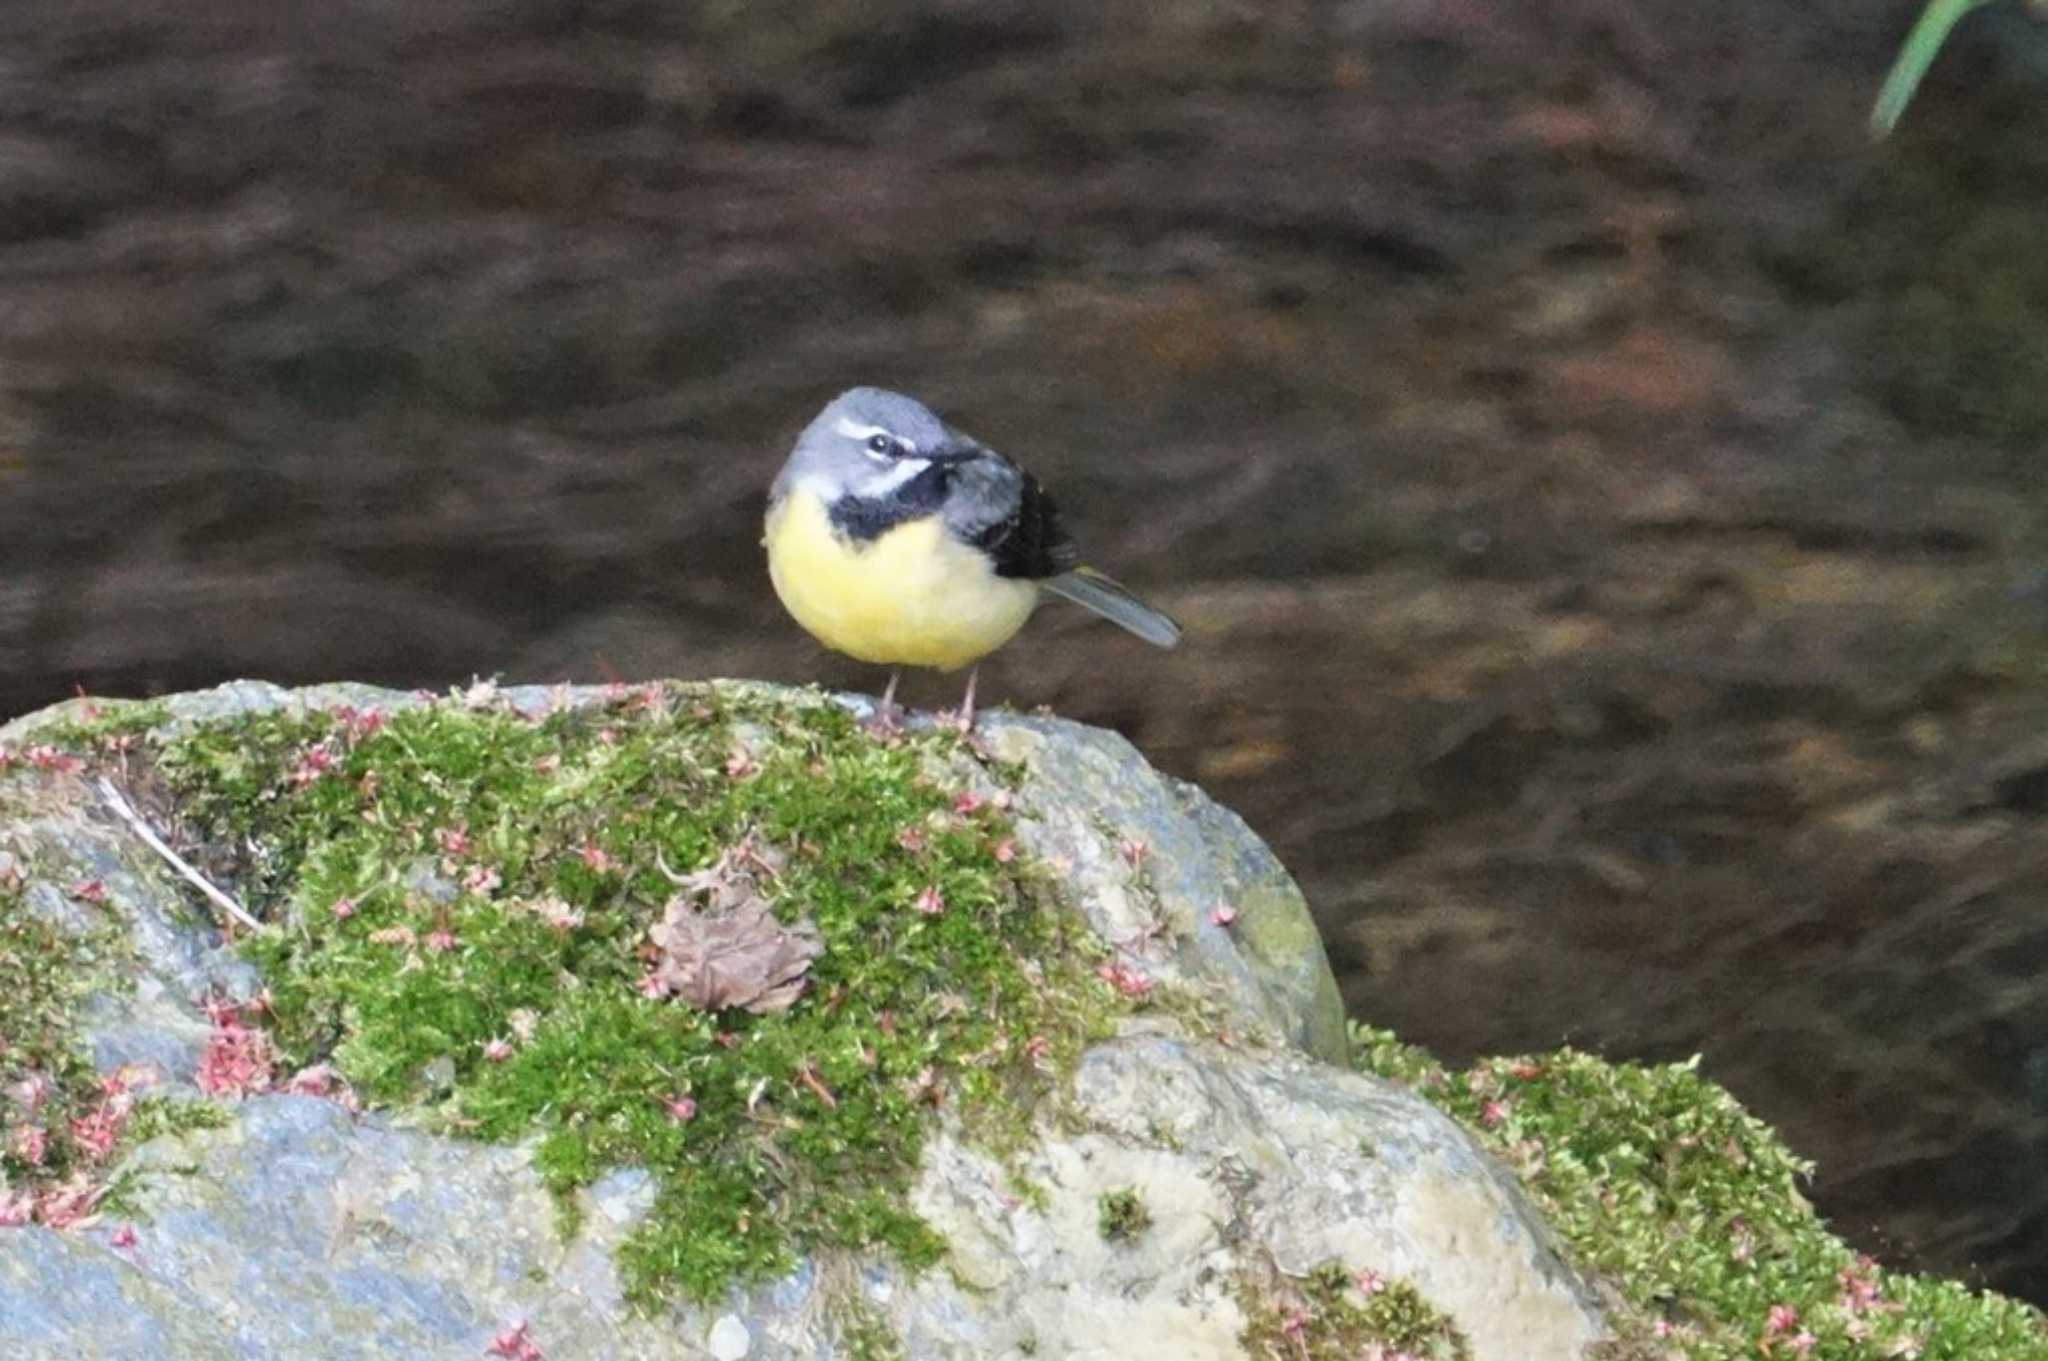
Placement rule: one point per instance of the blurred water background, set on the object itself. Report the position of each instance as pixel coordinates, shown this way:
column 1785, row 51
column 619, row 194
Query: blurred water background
column 1604, row 490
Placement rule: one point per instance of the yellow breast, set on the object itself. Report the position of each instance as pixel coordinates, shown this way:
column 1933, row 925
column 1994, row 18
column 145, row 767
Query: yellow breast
column 914, row 596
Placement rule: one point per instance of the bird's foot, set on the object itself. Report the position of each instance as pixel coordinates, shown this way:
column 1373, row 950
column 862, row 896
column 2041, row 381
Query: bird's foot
column 886, row 721
column 962, row 719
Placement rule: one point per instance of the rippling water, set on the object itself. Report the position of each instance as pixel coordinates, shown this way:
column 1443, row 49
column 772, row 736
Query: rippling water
column 1598, row 485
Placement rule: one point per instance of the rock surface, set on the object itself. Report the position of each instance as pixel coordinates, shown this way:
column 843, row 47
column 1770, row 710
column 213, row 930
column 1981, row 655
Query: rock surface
column 303, row 1229
column 1574, row 449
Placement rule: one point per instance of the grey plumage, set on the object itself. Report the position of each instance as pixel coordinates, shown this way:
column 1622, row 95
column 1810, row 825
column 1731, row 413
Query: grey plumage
column 877, row 459
column 1091, row 590
column 826, row 455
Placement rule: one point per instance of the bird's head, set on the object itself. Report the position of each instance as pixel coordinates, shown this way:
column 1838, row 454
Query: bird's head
column 868, row 443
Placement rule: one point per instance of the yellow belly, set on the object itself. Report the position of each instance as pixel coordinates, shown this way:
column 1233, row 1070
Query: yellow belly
column 912, row 597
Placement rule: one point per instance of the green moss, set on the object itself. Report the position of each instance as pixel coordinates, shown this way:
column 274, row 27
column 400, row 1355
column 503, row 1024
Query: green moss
column 46, row 1079
column 1336, row 1314
column 97, row 725
column 1121, row 1215
column 156, row 1116
column 865, row 1336
column 64, row 1125
column 1660, row 1182
column 498, row 876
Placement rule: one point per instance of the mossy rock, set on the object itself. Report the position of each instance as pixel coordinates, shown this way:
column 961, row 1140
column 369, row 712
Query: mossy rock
column 1051, row 1084
column 448, row 1098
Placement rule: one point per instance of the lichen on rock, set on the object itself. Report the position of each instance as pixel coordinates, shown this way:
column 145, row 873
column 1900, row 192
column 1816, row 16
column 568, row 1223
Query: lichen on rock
column 484, row 1111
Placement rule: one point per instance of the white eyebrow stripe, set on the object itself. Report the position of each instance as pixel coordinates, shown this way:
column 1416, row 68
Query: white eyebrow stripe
column 900, row 475
column 853, row 429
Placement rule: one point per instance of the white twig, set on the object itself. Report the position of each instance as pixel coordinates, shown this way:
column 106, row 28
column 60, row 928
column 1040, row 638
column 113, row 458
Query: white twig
column 677, row 879
column 126, row 811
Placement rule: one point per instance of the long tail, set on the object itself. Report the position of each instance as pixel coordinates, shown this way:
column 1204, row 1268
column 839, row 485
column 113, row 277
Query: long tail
column 1091, row 590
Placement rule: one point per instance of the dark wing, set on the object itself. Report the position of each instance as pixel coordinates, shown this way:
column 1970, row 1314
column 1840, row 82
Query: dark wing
column 1001, row 509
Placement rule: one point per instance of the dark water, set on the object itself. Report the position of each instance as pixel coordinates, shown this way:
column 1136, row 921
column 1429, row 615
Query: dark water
column 1602, row 489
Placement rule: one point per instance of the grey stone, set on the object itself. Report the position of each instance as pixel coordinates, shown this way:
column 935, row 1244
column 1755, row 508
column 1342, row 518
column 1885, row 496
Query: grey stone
column 1239, row 1157
column 1092, row 804
column 301, row 1229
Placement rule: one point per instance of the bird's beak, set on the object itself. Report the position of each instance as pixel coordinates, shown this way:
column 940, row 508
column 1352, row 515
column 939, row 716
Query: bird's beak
column 956, row 449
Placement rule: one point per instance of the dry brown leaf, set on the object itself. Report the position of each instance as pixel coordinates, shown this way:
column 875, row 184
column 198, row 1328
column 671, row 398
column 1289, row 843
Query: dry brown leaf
column 728, row 950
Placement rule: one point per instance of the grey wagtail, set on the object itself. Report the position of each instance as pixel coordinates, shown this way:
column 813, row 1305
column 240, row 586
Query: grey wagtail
column 894, row 538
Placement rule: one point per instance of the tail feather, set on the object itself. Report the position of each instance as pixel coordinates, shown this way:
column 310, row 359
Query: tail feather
column 1091, row 590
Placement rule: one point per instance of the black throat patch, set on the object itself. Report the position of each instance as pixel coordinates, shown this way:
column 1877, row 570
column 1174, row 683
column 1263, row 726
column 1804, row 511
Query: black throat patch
column 865, row 519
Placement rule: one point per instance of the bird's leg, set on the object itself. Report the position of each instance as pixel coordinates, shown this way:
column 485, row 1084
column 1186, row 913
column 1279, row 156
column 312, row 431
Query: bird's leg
column 887, row 719
column 965, row 720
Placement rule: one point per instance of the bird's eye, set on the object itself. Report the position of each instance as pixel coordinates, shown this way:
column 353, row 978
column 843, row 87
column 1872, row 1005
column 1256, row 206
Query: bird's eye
column 881, row 444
